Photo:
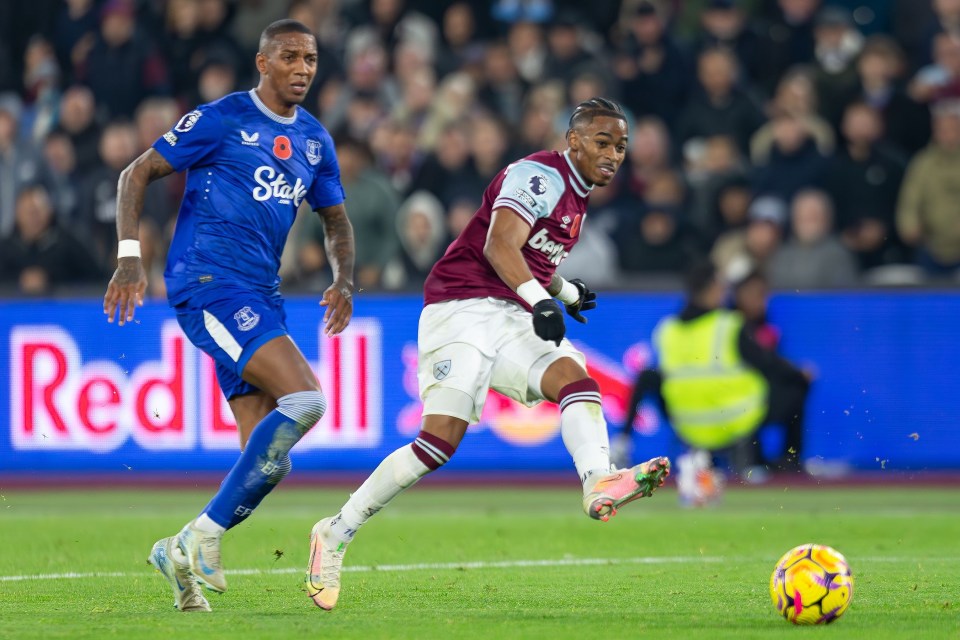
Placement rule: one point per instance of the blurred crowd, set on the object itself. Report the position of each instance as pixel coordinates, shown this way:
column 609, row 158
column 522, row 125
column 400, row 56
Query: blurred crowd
column 815, row 140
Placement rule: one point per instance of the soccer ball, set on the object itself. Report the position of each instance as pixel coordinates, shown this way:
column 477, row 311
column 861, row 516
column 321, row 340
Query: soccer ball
column 811, row 584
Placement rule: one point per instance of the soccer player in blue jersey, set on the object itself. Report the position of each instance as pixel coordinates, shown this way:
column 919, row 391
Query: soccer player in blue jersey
column 251, row 159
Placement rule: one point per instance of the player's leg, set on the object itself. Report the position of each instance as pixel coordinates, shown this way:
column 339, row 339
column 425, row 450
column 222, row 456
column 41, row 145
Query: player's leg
column 245, row 333
column 278, row 370
column 584, row 431
column 435, row 444
column 453, row 379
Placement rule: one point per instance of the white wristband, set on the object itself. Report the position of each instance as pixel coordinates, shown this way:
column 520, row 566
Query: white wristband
column 569, row 293
column 128, row 249
column 532, row 292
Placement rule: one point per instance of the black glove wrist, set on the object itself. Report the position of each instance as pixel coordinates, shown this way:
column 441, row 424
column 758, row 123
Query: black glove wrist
column 586, row 301
column 548, row 321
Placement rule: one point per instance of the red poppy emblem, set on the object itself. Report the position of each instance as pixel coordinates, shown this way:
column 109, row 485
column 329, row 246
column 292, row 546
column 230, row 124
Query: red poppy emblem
column 575, row 227
column 281, row 147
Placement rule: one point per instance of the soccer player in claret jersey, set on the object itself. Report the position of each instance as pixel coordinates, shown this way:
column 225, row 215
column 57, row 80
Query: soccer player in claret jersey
column 490, row 321
column 251, row 158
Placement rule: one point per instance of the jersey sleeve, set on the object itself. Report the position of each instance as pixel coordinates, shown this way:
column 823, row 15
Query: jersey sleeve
column 326, row 190
column 530, row 189
column 193, row 139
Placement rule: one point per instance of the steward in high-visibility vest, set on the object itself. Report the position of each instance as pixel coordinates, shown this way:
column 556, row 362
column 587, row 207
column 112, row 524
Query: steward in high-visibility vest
column 716, row 382
column 713, row 397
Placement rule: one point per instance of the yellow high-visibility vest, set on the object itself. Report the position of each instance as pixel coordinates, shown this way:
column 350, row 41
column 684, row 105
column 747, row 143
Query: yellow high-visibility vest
column 713, row 397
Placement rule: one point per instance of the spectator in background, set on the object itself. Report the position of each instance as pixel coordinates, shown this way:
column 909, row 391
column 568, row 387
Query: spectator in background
column 794, row 162
column 123, row 67
column 724, row 25
column 417, row 94
column 459, row 45
column 74, row 32
column 489, row 145
column 422, row 230
column 447, row 171
column 651, row 67
column 98, row 194
column 648, row 155
column 20, row 164
column 455, row 98
column 527, row 50
column 813, row 257
column 796, row 95
column 373, row 206
column 927, row 214
column 41, row 80
column 62, row 181
column 217, row 78
column 459, row 213
column 742, row 250
column 709, row 167
column 39, row 254
column 880, row 69
column 719, row 107
column 788, row 40
column 502, row 89
column 656, row 239
column 730, row 209
column 567, row 55
column 367, row 77
column 77, row 120
column 863, row 181
column 394, row 146
column 837, row 43
column 942, row 76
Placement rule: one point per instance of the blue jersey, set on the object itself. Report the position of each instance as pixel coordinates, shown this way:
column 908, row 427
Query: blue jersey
column 248, row 170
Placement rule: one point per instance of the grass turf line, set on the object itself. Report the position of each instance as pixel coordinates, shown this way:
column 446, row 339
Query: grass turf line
column 900, row 543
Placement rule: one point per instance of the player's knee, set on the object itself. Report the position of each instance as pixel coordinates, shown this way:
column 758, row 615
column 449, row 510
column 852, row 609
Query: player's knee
column 304, row 407
column 433, row 451
column 279, row 470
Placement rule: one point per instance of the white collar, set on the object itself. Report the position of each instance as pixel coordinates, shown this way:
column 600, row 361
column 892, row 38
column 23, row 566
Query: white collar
column 578, row 183
column 270, row 114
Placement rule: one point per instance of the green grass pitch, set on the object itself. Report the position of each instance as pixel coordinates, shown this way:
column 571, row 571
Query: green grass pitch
column 504, row 563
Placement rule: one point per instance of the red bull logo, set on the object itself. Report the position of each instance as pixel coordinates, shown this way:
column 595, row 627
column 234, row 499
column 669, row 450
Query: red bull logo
column 59, row 401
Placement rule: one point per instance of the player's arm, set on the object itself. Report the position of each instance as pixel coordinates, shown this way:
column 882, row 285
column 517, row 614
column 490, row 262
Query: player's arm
column 575, row 296
column 503, row 250
column 339, row 245
column 129, row 281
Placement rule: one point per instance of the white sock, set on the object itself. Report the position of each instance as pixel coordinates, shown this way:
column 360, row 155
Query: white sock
column 398, row 471
column 205, row 524
column 584, row 433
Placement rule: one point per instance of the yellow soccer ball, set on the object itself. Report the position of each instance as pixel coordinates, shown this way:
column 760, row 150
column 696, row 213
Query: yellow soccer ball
column 811, row 584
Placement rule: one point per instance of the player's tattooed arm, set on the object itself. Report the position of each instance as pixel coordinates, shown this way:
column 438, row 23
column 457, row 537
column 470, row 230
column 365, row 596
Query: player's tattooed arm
column 129, row 282
column 132, row 188
column 339, row 245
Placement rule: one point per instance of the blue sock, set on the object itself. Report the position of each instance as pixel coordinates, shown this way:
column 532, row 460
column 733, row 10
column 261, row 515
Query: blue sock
column 249, row 481
column 264, row 462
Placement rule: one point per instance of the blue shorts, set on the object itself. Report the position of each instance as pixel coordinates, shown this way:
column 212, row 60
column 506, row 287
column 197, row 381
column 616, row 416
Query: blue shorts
column 230, row 323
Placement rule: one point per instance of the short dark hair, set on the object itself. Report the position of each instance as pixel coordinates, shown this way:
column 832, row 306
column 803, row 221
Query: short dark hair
column 699, row 278
column 587, row 110
column 279, row 27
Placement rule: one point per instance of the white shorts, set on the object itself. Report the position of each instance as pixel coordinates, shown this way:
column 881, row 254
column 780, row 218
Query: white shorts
column 466, row 347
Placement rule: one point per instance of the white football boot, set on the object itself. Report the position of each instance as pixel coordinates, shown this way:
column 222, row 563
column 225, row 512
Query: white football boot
column 187, row 594
column 202, row 549
column 324, row 565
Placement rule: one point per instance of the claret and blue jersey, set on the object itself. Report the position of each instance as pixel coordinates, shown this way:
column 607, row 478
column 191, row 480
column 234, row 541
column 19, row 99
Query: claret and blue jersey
column 248, row 170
